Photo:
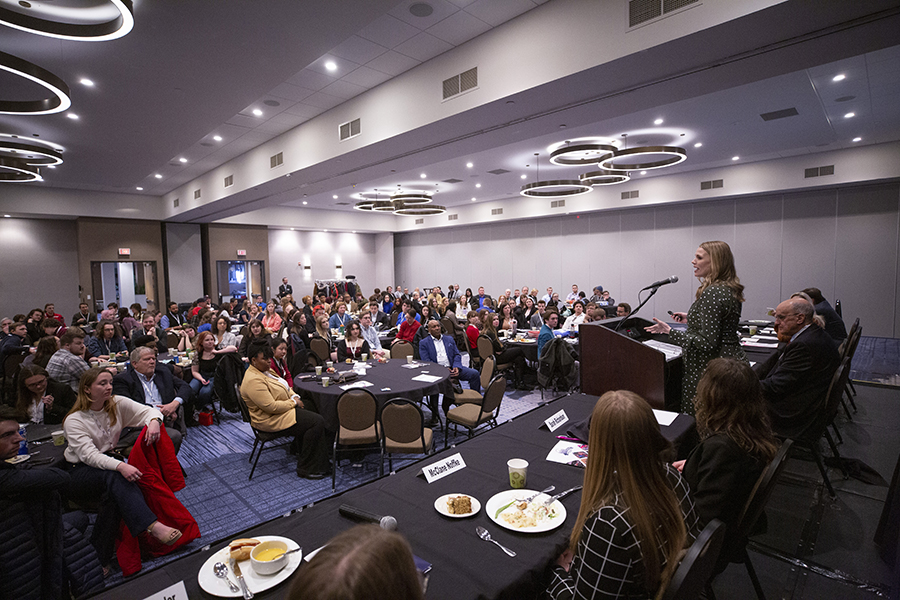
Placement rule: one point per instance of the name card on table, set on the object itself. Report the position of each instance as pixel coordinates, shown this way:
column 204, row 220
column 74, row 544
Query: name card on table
column 444, row 467
column 173, row 592
column 554, row 422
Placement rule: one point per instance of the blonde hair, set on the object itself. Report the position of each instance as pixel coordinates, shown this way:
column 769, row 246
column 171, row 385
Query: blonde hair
column 83, row 401
column 721, row 269
column 624, row 469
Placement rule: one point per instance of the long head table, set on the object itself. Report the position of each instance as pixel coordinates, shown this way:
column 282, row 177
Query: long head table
column 464, row 565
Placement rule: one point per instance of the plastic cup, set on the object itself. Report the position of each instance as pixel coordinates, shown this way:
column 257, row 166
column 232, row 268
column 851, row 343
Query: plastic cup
column 325, row 381
column 59, row 437
column 518, row 472
column 319, row 370
column 364, row 357
column 409, row 359
column 753, row 330
column 329, row 364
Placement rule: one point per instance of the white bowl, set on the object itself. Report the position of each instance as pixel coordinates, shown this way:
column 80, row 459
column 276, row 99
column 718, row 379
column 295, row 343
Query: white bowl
column 268, row 567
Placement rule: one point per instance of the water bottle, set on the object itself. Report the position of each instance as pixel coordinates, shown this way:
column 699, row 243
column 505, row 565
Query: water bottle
column 514, row 328
column 23, row 445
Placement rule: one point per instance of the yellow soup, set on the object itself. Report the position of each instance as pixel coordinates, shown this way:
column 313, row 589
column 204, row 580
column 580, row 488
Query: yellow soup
column 268, row 554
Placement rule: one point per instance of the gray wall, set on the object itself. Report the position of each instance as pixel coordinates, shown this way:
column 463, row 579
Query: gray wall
column 40, row 265
column 843, row 241
column 185, row 262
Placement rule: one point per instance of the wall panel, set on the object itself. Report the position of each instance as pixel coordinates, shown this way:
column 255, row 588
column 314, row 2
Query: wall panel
column 185, row 261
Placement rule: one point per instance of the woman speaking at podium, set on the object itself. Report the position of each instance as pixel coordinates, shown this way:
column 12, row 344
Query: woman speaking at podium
column 712, row 321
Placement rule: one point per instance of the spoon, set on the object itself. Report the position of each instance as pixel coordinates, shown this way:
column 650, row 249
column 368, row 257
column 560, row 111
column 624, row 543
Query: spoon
column 544, row 491
column 221, row 572
column 483, row 534
column 288, row 552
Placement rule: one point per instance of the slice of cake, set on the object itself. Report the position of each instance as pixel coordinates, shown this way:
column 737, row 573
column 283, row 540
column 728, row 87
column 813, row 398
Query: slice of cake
column 459, row 505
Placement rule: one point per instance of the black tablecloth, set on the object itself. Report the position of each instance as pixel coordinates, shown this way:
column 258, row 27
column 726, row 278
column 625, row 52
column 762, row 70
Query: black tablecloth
column 40, row 446
column 389, row 380
column 464, row 565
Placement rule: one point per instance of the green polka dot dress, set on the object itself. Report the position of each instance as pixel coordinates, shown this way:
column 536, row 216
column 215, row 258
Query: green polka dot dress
column 712, row 332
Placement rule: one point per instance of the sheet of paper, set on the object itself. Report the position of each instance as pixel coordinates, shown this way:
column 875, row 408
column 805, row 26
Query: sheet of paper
column 759, row 344
column 356, row 384
column 427, row 378
column 569, row 453
column 412, row 365
column 664, row 417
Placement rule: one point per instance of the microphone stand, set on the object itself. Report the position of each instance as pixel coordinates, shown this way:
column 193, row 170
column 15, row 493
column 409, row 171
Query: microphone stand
column 653, row 291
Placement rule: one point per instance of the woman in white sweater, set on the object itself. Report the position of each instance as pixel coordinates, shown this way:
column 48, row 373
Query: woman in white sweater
column 93, row 427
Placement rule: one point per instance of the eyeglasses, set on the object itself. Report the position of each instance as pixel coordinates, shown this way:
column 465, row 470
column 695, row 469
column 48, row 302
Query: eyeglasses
column 783, row 317
column 36, row 384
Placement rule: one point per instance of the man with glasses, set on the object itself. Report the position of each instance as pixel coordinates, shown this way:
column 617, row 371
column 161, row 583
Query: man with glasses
column 796, row 378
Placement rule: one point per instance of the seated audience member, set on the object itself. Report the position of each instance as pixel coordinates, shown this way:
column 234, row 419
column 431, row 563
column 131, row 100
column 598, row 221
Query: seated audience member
column 537, row 319
column 473, row 331
column 408, row 328
column 243, row 314
column 525, row 311
column 15, row 342
column 33, row 324
column 795, row 379
column 185, row 338
column 477, row 302
column 106, row 341
column 555, row 302
column 387, row 304
column 506, row 317
column 274, row 406
column 67, row 364
column 353, row 346
column 636, row 515
column 605, row 299
column 550, row 320
column 456, row 329
column 5, row 324
column 340, row 318
column 92, row 430
column 111, row 312
column 147, row 382
column 370, row 334
column 506, row 354
column 204, row 368
column 255, row 333
column 597, row 295
column 51, row 326
column 299, row 335
column 546, row 297
column 737, row 444
column 441, row 349
column 351, row 566
column 40, row 399
column 278, row 364
column 623, row 309
column 378, row 317
column 254, row 313
column 50, row 313
column 573, row 295
column 576, row 318
column 137, row 312
column 126, row 322
column 834, row 324
column 172, row 318
column 225, row 340
column 83, row 316
column 45, row 348
column 149, row 327
column 45, row 554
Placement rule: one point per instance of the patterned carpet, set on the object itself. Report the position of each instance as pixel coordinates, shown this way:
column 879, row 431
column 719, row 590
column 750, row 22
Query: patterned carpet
column 877, row 361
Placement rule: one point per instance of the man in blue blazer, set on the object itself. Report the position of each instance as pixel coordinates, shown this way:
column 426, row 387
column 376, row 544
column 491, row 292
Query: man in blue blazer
column 441, row 349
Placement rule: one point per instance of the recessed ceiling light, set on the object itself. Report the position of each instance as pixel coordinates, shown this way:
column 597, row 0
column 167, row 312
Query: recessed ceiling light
column 658, row 122
column 72, row 116
column 478, row 185
column 354, row 231
column 857, row 139
column 840, row 77
column 182, row 159
column 158, row 176
column 325, row 230
column 422, row 175
column 735, row 158
column 469, row 165
column 86, row 82
column 257, row 112
column 698, row 144
column 643, row 172
column 522, row 176
column 218, row 138
column 473, row 199
column 304, row 203
column 139, row 188
column 331, row 66
column 7, row 216
column 849, row 115
column 335, row 196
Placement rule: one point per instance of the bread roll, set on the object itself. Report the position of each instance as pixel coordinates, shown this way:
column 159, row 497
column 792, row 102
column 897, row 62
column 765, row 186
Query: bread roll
column 240, row 549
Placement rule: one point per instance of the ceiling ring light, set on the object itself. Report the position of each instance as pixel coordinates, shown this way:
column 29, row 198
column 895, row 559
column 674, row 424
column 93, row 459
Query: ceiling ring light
column 84, row 32
column 604, row 177
column 411, row 199
column 60, row 101
column 543, row 189
column 675, row 156
column 579, row 155
column 29, row 153
column 364, row 205
column 383, row 206
column 420, row 210
column 15, row 171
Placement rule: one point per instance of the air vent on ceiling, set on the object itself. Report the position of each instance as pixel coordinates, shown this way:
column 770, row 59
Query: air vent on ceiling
column 349, row 129
column 845, row 99
column 819, row 171
column 175, row 203
column 498, row 171
column 631, row 194
column 496, row 211
column 557, row 203
column 419, row 221
column 712, row 184
column 229, row 181
column 452, row 217
column 342, row 204
column 642, row 11
column 779, row 114
column 465, row 81
column 276, row 161
column 196, row 194
column 452, row 180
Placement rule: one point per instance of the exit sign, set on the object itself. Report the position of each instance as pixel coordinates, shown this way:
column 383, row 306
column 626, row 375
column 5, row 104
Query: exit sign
column 242, row 253
column 124, row 251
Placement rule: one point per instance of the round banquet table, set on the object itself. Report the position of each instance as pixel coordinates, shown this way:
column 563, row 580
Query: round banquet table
column 389, row 380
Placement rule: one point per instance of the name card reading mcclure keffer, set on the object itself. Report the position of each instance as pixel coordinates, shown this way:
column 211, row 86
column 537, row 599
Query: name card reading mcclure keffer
column 554, row 422
column 173, row 592
column 444, row 467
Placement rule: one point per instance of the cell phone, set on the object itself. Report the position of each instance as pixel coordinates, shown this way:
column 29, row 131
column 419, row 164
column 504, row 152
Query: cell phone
column 670, row 313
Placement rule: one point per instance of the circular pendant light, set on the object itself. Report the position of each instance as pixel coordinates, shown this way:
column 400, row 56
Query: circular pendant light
column 411, row 198
column 105, row 27
column 364, row 205
column 15, row 171
column 630, row 159
column 418, row 210
column 59, row 102
column 579, row 155
column 557, row 188
column 604, row 177
column 383, row 206
column 30, row 154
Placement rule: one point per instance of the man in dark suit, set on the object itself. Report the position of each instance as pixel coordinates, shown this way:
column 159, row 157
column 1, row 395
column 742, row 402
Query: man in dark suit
column 379, row 316
column 150, row 383
column 795, row 379
column 477, row 302
column 441, row 349
column 285, row 288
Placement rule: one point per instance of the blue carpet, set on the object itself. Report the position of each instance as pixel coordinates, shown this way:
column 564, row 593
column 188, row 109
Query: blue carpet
column 877, row 361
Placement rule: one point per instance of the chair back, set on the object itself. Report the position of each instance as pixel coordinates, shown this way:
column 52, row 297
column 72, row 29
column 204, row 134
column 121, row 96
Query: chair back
column 487, row 372
column 357, row 410
column 447, row 325
column 836, row 390
column 485, row 347
column 493, row 395
column 172, row 340
column 851, row 351
column 11, row 364
column 320, row 348
column 761, row 492
column 698, row 565
column 401, row 349
column 844, row 348
column 403, row 422
column 245, row 412
column 393, row 319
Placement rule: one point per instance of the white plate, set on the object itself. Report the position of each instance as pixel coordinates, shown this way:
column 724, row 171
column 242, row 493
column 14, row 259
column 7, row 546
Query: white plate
column 440, row 505
column 498, row 500
column 255, row 582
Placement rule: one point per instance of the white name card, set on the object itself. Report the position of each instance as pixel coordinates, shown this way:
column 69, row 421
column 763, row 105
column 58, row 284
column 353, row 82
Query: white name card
column 554, row 422
column 173, row 592
column 442, row 468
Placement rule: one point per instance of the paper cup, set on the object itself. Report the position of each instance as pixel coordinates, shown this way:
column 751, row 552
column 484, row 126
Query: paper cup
column 329, row 364
column 325, row 381
column 753, row 330
column 59, row 437
column 365, row 357
column 518, row 472
column 409, row 359
column 319, row 370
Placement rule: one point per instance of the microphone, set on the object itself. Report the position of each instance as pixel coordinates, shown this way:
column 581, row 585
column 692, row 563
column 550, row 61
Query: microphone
column 351, row 512
column 662, row 282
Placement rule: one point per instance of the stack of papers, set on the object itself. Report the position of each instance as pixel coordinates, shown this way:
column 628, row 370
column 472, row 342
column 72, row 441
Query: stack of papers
column 670, row 350
column 356, row 384
column 427, row 378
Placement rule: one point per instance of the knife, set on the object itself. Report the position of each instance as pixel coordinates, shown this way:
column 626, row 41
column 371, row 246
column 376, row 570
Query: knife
column 562, row 495
column 240, row 577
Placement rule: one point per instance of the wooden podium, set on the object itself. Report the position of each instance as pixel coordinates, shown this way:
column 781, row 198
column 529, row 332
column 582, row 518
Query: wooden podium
column 617, row 360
